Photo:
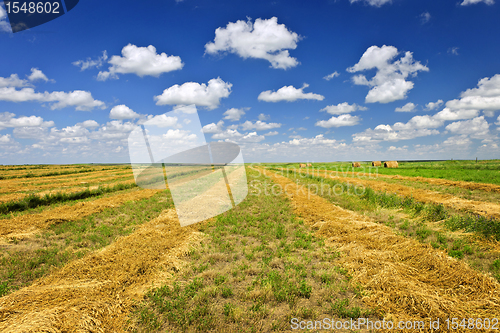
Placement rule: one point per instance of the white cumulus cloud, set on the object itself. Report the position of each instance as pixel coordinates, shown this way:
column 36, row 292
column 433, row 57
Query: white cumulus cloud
column 4, row 139
column 259, row 125
column 213, row 127
column 374, row 3
column 265, row 39
column 187, row 109
column 4, row 25
column 453, row 50
column 231, row 134
column 141, row 61
column 463, row 112
column 263, row 117
column 342, row 120
column 408, row 107
column 318, row 140
column 289, row 94
column 252, row 137
column 89, row 124
column 178, row 134
column 163, row 121
column 331, row 76
column 389, row 83
column 13, row 81
column 343, row 108
column 81, row 100
column 70, row 132
column 425, row 17
column 8, row 119
column 419, row 122
column 89, row 63
column 36, row 75
column 486, row 98
column 477, row 127
column 433, row 105
column 194, row 93
column 30, row 132
column 473, row 2
column 450, row 115
column 387, row 133
column 234, row 114
column 486, row 87
column 122, row 112
column 115, row 130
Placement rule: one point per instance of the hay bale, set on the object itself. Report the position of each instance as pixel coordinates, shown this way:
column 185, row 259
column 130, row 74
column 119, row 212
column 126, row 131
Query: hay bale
column 309, row 165
column 391, row 164
column 302, row 165
column 356, row 165
column 376, row 163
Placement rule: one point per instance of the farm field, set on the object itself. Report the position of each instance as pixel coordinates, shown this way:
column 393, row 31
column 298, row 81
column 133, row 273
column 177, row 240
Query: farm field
column 471, row 171
column 82, row 248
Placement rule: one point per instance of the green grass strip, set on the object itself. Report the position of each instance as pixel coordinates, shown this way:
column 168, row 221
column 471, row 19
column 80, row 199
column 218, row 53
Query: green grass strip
column 28, row 259
column 488, row 227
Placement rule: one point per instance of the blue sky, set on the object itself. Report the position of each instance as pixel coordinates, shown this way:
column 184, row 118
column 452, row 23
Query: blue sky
column 286, row 80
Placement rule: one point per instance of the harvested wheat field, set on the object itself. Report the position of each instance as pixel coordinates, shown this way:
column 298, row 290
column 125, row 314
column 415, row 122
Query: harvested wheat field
column 199, row 198
column 66, row 189
column 30, row 184
column 94, row 294
column 406, row 280
column 478, row 207
column 436, row 181
column 112, row 257
column 28, row 223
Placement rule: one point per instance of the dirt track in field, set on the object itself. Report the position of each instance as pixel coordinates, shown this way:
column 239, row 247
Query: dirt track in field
column 448, row 200
column 16, row 226
column 404, row 279
column 96, row 293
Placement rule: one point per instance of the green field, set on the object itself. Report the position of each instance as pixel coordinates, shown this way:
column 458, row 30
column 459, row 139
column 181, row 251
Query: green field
column 481, row 172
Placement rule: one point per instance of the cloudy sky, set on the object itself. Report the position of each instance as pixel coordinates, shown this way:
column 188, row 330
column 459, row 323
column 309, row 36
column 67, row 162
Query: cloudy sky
column 325, row 80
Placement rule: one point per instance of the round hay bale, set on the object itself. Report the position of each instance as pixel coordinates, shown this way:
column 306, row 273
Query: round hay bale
column 356, row 165
column 376, row 163
column 391, row 164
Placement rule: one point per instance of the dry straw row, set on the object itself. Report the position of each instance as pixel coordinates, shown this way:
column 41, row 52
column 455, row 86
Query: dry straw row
column 95, row 293
column 405, row 280
column 488, row 209
column 28, row 223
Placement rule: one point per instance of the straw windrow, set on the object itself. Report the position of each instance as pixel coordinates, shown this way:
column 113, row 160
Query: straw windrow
column 405, row 280
column 95, row 293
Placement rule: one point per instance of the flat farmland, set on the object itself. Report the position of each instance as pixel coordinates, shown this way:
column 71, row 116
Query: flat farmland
column 84, row 249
